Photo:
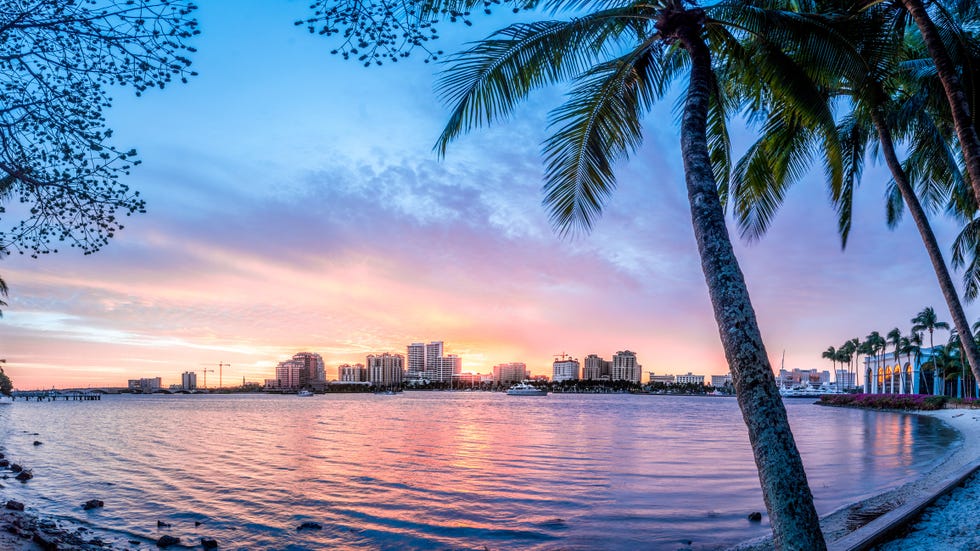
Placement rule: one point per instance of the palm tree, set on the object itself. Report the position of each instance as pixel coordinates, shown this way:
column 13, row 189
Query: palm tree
column 833, row 355
column 879, row 101
column 849, row 349
column 894, row 338
column 621, row 59
column 926, row 320
column 943, row 42
column 874, row 343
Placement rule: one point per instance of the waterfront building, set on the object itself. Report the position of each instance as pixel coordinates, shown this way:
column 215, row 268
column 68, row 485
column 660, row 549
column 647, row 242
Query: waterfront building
column 385, row 369
column 347, row 373
column 802, row 377
column 888, row 374
column 145, row 385
column 415, row 361
column 667, row 379
column 433, row 351
column 446, row 368
column 564, row 369
column 473, row 379
column 303, row 370
column 624, row 367
column 596, row 368
column 188, row 380
column 689, row 379
column 720, row 381
column 513, row 372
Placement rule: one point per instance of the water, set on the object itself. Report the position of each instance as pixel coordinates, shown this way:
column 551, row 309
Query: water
column 438, row 470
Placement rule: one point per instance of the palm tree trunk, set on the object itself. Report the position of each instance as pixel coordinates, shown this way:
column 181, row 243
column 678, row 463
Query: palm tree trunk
column 932, row 246
column 793, row 518
column 959, row 106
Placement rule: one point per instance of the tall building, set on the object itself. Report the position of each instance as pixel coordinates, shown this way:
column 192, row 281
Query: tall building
column 565, row 369
column 385, row 369
column 347, row 373
column 188, row 380
column 596, row 368
column 304, row 369
column 433, row 351
column 446, row 368
column 415, row 361
column 513, row 372
column 624, row 367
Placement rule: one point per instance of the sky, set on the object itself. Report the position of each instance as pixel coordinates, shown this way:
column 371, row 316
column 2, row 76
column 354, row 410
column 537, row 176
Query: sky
column 295, row 203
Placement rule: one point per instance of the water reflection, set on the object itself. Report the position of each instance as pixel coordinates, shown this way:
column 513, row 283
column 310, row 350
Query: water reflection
column 441, row 470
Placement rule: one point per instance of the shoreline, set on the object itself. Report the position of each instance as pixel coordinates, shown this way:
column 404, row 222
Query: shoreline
column 841, row 526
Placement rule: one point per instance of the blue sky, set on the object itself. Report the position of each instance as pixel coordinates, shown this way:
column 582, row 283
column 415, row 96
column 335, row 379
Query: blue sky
column 295, row 203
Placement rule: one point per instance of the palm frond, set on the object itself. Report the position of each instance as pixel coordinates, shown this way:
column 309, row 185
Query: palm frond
column 967, row 256
column 488, row 80
column 598, row 125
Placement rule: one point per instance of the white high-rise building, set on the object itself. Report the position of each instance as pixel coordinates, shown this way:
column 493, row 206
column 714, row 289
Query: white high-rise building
column 433, row 351
column 624, row 367
column 415, row 361
column 188, row 380
column 446, row 367
column 565, row 369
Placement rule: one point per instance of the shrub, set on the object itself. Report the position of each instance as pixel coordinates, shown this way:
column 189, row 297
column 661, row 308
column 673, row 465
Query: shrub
column 912, row 402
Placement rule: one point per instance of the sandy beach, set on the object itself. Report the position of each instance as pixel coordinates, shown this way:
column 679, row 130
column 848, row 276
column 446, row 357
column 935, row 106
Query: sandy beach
column 934, row 529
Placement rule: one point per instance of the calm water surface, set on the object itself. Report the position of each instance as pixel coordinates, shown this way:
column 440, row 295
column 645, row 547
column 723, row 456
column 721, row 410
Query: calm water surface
column 438, row 470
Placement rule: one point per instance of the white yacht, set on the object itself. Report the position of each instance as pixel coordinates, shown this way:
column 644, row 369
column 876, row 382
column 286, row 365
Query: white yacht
column 304, row 392
column 525, row 389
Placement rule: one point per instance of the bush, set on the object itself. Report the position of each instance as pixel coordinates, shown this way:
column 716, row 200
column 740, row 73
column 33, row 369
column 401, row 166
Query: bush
column 910, row 402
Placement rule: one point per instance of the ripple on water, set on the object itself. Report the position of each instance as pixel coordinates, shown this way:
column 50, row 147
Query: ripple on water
column 438, row 470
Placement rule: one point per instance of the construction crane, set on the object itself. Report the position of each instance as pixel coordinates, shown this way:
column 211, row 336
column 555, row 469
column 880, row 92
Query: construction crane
column 206, row 376
column 221, row 366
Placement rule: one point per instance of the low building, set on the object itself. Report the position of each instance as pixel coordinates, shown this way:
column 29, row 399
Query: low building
column 146, row 385
column 665, row 379
column 720, row 381
column 689, row 379
column 347, row 373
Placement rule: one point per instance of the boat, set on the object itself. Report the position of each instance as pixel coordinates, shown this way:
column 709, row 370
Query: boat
column 4, row 399
column 304, row 392
column 524, row 389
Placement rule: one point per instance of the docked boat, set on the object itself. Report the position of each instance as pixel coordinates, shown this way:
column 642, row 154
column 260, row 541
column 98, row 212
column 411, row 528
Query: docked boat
column 524, row 389
column 304, row 392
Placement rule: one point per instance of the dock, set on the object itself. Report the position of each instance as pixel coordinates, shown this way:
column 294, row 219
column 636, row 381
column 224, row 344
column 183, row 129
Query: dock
column 53, row 396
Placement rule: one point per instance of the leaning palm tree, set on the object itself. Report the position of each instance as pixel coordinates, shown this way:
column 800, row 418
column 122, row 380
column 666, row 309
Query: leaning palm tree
column 944, row 40
column 3, row 293
column 621, row 58
column 886, row 104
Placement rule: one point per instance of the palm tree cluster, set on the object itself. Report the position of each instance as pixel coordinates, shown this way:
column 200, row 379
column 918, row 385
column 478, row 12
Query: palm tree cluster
column 946, row 360
column 827, row 81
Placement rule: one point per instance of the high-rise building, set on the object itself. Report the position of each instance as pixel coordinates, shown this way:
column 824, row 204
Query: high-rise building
column 624, row 367
column 513, row 372
column 596, row 368
column 385, row 369
column 304, row 369
column 445, row 368
column 565, row 369
column 188, row 380
column 415, row 361
column 347, row 373
column 433, row 351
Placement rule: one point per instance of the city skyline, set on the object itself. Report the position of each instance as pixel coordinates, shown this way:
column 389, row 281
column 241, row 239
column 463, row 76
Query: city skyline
column 295, row 203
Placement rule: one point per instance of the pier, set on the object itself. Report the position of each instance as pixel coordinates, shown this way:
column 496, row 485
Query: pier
column 52, row 396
